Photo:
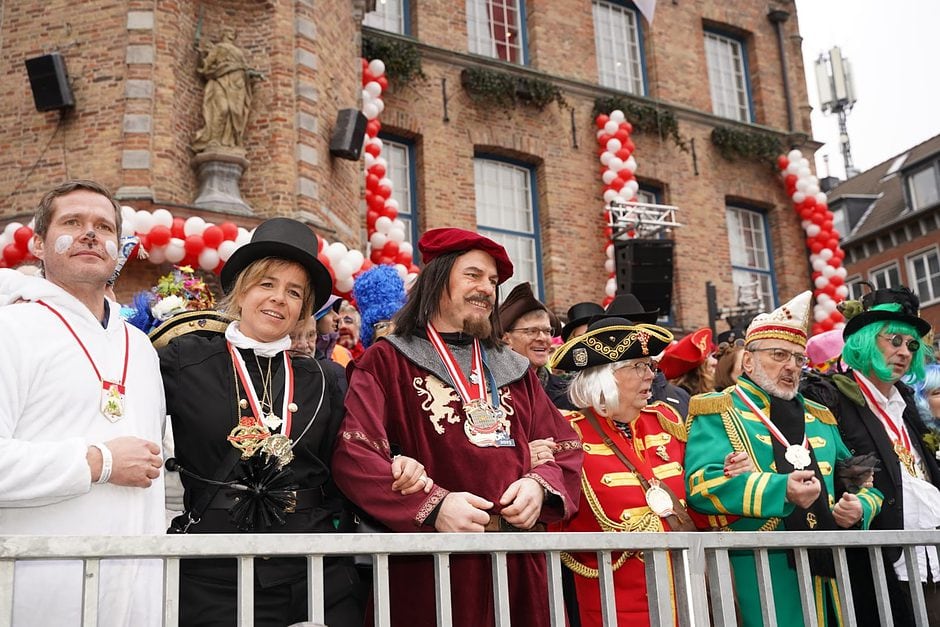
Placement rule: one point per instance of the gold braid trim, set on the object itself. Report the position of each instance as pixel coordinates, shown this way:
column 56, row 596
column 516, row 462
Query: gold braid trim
column 670, row 421
column 712, row 403
column 592, row 573
column 770, row 525
column 820, row 412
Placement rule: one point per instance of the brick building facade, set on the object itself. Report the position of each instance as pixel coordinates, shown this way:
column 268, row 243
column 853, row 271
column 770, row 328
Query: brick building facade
column 133, row 64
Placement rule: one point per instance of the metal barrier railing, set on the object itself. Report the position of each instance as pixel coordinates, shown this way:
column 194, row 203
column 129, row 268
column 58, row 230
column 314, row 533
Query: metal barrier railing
column 693, row 556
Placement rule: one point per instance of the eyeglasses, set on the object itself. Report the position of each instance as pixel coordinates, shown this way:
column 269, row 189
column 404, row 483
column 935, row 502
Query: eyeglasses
column 381, row 325
column 639, row 367
column 533, row 331
column 347, row 320
column 782, row 355
column 898, row 341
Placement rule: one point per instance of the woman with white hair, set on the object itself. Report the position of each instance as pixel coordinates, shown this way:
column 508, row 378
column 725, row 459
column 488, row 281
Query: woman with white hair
column 632, row 476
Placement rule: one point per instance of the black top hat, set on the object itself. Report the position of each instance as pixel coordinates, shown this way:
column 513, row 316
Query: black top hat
column 610, row 340
column 578, row 314
column 629, row 306
column 874, row 311
column 521, row 301
column 282, row 238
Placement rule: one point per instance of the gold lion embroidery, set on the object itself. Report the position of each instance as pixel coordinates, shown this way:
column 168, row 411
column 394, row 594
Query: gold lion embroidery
column 437, row 399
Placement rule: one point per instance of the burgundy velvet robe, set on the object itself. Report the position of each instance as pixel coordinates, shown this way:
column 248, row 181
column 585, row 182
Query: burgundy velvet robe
column 392, row 402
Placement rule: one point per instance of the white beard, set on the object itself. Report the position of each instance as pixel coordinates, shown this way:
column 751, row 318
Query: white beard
column 770, row 386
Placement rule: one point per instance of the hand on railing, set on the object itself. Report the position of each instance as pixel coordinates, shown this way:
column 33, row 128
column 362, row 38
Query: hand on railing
column 409, row 476
column 522, row 503
column 802, row 488
column 847, row 511
column 463, row 511
column 135, row 462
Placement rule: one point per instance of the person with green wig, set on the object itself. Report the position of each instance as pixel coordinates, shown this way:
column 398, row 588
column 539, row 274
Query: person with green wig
column 877, row 414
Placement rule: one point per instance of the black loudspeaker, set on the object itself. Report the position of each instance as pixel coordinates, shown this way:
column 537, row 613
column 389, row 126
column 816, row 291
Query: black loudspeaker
column 348, row 134
column 644, row 269
column 49, row 81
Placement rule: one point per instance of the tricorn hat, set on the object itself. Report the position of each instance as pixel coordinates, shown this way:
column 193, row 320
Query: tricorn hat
column 578, row 314
column 687, row 354
column 788, row 322
column 898, row 304
column 437, row 242
column 629, row 306
column 283, row 238
column 610, row 340
column 521, row 301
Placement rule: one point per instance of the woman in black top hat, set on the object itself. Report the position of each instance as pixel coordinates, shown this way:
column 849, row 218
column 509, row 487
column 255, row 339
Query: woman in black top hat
column 248, row 417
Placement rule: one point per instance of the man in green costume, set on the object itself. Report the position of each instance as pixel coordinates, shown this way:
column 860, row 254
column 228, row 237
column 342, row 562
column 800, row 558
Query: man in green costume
column 795, row 446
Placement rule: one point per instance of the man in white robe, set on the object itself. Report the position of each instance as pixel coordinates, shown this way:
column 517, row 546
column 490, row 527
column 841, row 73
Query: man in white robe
column 81, row 417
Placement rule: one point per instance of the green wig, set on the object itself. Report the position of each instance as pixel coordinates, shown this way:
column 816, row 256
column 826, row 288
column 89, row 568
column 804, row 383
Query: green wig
column 861, row 350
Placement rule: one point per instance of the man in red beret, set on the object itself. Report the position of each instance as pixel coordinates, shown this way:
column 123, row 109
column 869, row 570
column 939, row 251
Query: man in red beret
column 443, row 390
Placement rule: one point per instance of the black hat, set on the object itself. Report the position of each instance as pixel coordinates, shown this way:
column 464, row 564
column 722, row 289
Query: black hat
column 205, row 322
column 877, row 307
column 521, row 301
column 282, row 238
column 578, row 314
column 629, row 306
column 610, row 340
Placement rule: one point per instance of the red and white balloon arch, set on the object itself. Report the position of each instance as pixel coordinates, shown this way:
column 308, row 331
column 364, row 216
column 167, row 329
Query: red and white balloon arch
column 164, row 237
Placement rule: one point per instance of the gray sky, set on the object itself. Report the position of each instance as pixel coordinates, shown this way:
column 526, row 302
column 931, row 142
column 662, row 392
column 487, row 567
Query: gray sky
column 893, row 48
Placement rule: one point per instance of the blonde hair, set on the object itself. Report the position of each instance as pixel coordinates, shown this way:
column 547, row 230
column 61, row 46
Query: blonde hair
column 252, row 275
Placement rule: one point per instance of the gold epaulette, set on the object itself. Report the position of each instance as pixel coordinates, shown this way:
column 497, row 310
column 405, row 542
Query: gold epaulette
column 188, row 322
column 670, row 420
column 710, row 403
column 820, row 412
column 573, row 418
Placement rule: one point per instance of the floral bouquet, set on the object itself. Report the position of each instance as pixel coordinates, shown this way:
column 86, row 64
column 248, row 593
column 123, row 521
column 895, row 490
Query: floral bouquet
column 175, row 292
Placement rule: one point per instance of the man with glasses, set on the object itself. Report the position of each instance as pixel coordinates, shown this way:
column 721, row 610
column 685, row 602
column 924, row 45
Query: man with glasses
column 877, row 414
column 794, row 445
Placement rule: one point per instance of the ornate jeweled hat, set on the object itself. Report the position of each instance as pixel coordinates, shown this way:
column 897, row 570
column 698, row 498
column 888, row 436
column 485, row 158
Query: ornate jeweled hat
column 610, row 340
column 788, row 322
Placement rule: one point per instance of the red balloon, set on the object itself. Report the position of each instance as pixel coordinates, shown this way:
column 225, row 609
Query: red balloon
column 629, row 145
column 218, row 268
column 790, row 179
column 827, row 324
column 177, row 229
column 384, row 191
column 603, row 139
column 373, row 127
column 601, row 120
column 371, row 217
column 827, row 224
column 367, row 76
column 374, row 150
column 832, row 244
column 413, row 269
column 626, row 126
column 403, row 258
column 378, row 169
column 836, row 280
column 144, row 242
column 194, row 245
column 391, row 248
column 372, row 182
column 376, row 255
column 22, row 236
column 809, row 202
column 622, row 135
column 159, row 235
column 190, row 260
column 390, row 212
column 782, row 163
column 623, row 154
column 213, row 236
column 815, row 247
column 383, row 82
column 229, row 230
column 12, row 255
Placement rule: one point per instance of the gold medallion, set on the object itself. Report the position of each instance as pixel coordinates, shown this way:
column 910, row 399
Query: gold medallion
column 248, row 437
column 280, row 447
column 662, row 452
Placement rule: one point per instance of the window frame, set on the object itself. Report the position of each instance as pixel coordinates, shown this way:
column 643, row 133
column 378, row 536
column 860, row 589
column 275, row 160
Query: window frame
column 745, row 70
column 523, row 34
column 405, row 6
column 909, row 184
column 640, row 43
column 884, row 267
column 409, row 145
column 912, row 278
column 536, row 234
column 850, row 283
column 768, row 247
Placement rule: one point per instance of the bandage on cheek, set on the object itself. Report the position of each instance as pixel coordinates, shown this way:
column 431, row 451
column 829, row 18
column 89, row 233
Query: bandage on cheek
column 112, row 249
column 63, row 243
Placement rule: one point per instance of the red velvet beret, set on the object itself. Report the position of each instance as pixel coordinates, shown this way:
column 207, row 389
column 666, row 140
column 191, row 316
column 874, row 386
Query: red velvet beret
column 437, row 242
column 687, row 354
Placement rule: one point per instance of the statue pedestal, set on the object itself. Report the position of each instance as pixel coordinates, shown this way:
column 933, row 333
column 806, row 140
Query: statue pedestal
column 219, row 173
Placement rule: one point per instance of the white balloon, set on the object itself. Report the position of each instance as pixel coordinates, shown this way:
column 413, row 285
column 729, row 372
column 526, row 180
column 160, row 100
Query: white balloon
column 370, row 110
column 828, row 271
column 819, row 264
column 600, row 132
column 609, row 251
column 821, row 198
column 610, row 289
column 157, row 255
column 175, row 250
column 356, row 259
column 613, row 144
column 366, row 97
column 31, row 245
column 391, row 203
column 377, row 67
column 378, row 240
column 226, row 248
column 804, row 162
column 841, row 272
column 208, row 259
column 609, row 265
column 369, row 160
column 375, row 141
column 803, row 172
column 610, row 196
column 617, row 116
column 820, row 314
column 385, row 181
column 162, row 217
column 826, row 254
column 194, row 226
column 343, row 269
column 406, row 247
column 630, row 163
column 608, row 176
column 401, row 270
column 335, row 252
column 798, row 197
column 813, row 230
column 804, row 224
column 345, row 285
column 383, row 224
column 611, row 127
column 615, row 164
column 380, row 104
column 11, row 228
column 842, row 291
column 373, row 89
column 396, row 235
column 812, row 189
column 801, row 186
column 823, row 298
column 143, row 221
column 382, row 162
column 793, row 168
column 821, row 282
column 633, row 187
column 410, row 280
column 794, row 155
column 830, row 306
column 606, row 157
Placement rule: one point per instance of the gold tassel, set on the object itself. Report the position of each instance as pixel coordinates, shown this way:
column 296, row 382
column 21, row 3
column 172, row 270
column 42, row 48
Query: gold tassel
column 710, row 403
column 820, row 412
column 670, row 421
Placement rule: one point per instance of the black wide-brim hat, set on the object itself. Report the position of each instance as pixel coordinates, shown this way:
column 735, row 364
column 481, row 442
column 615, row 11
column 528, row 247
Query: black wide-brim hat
column 874, row 311
column 205, row 322
column 282, row 238
column 610, row 340
column 629, row 306
column 579, row 314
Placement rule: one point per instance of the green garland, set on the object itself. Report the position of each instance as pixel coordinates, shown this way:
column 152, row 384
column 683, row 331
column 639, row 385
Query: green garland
column 402, row 59
column 494, row 88
column 733, row 143
column 644, row 118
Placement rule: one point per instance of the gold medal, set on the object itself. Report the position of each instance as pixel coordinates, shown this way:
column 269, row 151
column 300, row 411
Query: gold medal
column 248, row 436
column 112, row 400
column 905, row 457
column 280, row 447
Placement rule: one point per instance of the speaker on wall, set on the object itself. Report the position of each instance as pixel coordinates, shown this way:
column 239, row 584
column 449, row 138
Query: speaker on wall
column 350, row 130
column 49, row 81
column 644, row 269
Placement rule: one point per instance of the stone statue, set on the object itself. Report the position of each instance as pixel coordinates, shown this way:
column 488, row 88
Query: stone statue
column 227, row 99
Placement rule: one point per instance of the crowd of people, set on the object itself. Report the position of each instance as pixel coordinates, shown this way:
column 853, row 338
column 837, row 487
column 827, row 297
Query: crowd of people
column 441, row 407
